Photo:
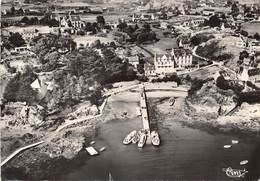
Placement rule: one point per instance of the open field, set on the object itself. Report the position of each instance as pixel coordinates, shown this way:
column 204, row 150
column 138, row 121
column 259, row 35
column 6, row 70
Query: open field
column 252, row 27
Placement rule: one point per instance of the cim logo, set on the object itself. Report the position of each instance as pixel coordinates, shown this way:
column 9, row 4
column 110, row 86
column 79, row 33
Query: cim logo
column 234, row 173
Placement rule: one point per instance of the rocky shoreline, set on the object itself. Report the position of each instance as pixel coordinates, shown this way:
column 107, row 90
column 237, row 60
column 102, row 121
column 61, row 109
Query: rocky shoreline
column 208, row 122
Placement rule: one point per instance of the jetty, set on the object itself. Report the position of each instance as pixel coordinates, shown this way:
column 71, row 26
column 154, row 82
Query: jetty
column 144, row 112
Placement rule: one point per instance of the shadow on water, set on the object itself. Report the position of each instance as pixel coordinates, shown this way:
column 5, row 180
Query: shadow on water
column 254, row 166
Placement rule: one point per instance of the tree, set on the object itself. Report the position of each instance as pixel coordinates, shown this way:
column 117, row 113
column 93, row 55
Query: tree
column 53, row 23
column 234, row 10
column 244, row 33
column 13, row 11
column 34, row 20
column 229, row 3
column 19, row 89
column 122, row 25
column 100, row 20
column 147, row 27
column 256, row 36
column 25, row 20
column 214, row 21
column 16, row 39
column 244, row 54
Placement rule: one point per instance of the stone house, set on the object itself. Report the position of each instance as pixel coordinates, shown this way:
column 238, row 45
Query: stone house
column 254, row 46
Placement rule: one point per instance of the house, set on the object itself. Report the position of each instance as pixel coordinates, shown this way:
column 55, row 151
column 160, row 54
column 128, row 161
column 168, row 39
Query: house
column 88, row 40
column 164, row 25
column 76, row 22
column 164, row 64
column 193, row 22
column 208, row 12
column 134, row 60
column 240, row 43
column 182, row 57
column 177, row 59
column 149, row 70
column 254, row 46
column 22, row 50
column 254, row 75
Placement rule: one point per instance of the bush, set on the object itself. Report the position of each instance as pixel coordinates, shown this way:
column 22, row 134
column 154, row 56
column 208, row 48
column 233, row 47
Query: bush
column 195, row 86
column 249, row 97
column 168, row 78
column 200, row 38
column 224, row 84
column 19, row 88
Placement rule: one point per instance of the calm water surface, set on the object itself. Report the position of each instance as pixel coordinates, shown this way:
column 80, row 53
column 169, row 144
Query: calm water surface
column 185, row 153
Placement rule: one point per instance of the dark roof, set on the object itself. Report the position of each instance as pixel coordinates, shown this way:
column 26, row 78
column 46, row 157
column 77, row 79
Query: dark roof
column 253, row 72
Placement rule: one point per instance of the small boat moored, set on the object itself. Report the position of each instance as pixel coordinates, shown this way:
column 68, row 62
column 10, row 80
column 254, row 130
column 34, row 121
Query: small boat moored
column 129, row 137
column 155, row 138
column 227, row 146
column 136, row 137
column 243, row 162
column 234, row 141
column 102, row 149
column 142, row 141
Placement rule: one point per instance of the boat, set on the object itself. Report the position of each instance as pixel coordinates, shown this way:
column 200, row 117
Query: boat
column 102, row 149
column 243, row 162
column 129, row 137
column 136, row 138
column 110, row 177
column 142, row 141
column 92, row 151
column 155, row 138
column 227, row 146
column 234, row 141
column 92, row 142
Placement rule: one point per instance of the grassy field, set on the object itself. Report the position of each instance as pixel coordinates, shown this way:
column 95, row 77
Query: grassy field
column 252, row 27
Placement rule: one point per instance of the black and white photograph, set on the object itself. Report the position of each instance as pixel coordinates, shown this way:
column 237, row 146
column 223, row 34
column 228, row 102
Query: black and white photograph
column 130, row 90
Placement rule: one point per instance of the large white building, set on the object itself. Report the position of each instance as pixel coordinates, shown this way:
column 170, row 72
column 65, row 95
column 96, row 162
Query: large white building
column 164, row 64
column 178, row 59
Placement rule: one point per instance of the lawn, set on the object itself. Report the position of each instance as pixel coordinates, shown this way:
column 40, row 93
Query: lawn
column 252, row 27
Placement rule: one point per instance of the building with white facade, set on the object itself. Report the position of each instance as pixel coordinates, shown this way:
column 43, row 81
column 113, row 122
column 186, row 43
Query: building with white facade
column 254, row 46
column 182, row 57
column 164, row 64
column 168, row 63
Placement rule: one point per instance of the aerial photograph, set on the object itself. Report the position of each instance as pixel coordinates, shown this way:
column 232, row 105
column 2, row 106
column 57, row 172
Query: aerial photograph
column 130, row 90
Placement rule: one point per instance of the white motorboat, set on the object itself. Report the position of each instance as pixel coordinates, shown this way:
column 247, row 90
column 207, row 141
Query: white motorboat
column 129, row 137
column 155, row 138
column 142, row 141
column 227, row 146
column 235, row 141
column 102, row 149
column 136, row 137
column 244, row 162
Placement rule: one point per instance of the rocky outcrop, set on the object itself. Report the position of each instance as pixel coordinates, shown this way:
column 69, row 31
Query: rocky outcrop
column 84, row 109
column 67, row 145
